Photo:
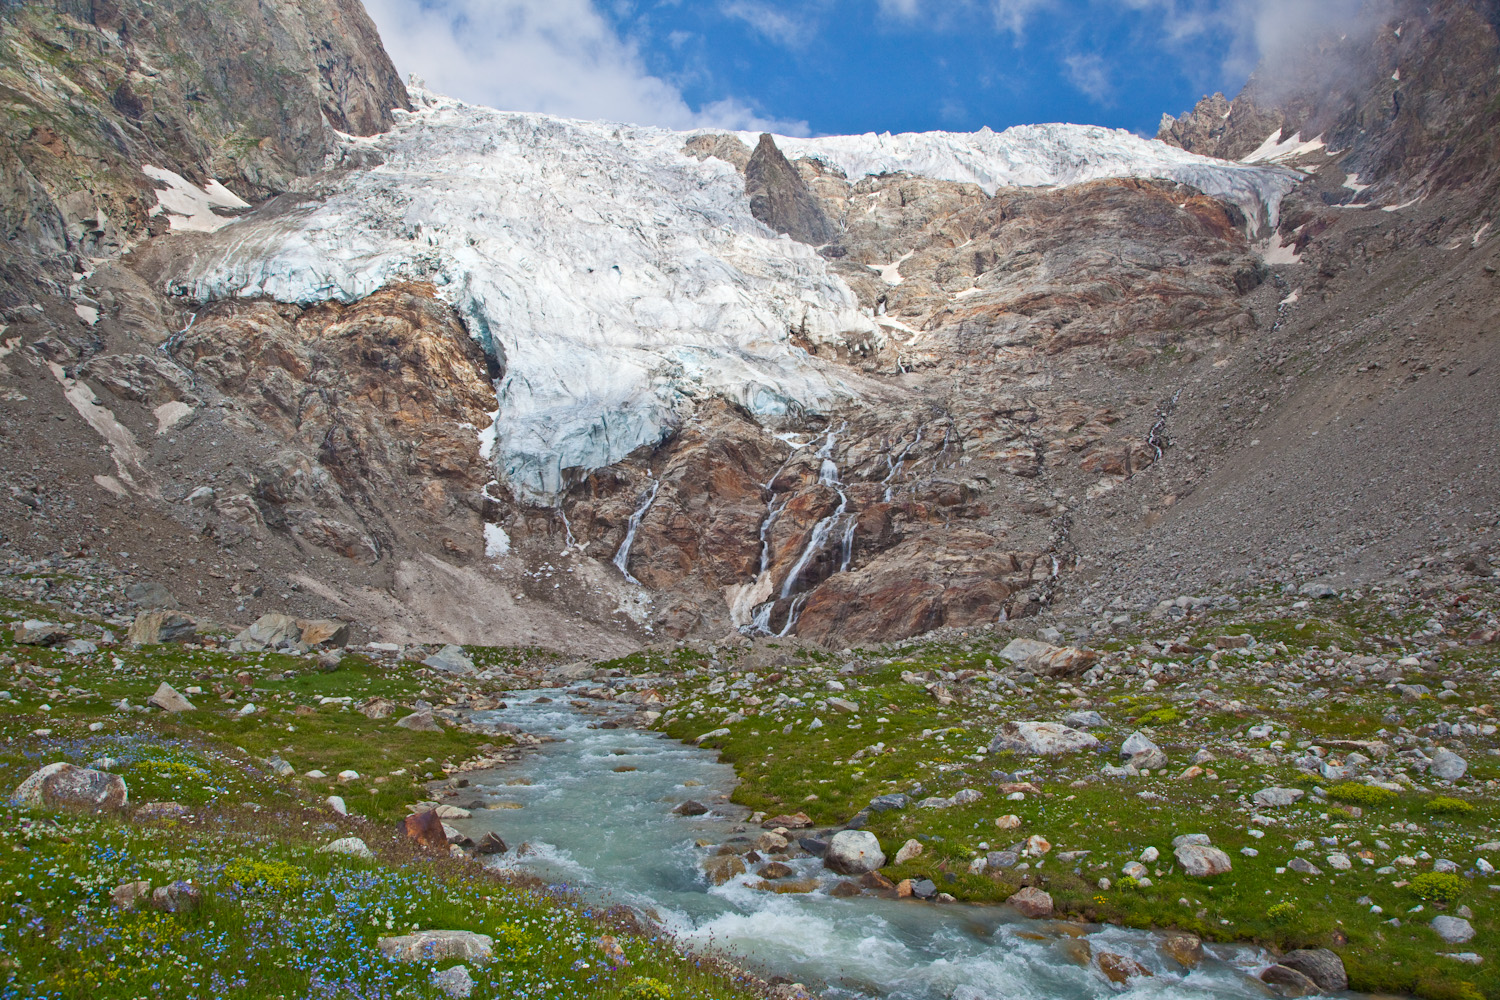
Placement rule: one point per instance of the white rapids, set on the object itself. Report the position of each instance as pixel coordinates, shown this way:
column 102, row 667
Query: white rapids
column 615, row 278
column 611, row 836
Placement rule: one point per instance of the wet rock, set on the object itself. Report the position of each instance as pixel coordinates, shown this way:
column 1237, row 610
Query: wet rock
column 689, row 808
column 38, row 633
column 351, row 846
column 420, row 722
column 155, row 628
column 776, row 870
column 1201, row 861
column 876, row 882
column 845, row 890
column 167, row 699
column 1322, row 966
column 426, row 828
column 437, row 946
column 770, row 843
column 127, row 897
column 853, row 852
column 1288, row 982
column 451, row 660
column 1041, row 738
column 179, row 897
column 1032, row 902
column 1184, row 949
column 720, row 868
column 1119, row 969
column 490, row 843
column 1454, row 930
column 64, row 786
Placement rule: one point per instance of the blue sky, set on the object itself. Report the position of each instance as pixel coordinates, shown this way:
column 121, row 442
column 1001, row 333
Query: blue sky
column 838, row 66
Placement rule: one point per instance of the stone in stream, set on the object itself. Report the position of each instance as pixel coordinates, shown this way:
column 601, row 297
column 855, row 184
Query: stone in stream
column 1041, row 738
column 490, row 843
column 1120, row 970
column 689, row 808
column 1322, row 966
column 812, row 845
column 65, row 786
column 1031, row 902
column 167, row 699
column 720, row 868
column 776, row 870
column 853, row 852
column 845, row 890
column 1288, row 982
column 1185, row 949
column 437, row 946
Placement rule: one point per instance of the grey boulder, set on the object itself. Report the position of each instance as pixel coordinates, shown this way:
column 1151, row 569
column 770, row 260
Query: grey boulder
column 438, row 946
column 854, row 852
column 64, row 786
column 1041, row 738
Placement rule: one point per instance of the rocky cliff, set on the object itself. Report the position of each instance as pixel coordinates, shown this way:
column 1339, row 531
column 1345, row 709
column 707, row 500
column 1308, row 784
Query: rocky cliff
column 1052, row 366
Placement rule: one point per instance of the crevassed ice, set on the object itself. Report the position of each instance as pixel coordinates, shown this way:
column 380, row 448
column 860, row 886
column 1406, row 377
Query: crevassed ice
column 614, row 277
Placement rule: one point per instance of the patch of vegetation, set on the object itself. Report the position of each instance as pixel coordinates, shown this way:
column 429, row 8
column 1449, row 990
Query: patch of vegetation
column 1357, row 794
column 1438, row 887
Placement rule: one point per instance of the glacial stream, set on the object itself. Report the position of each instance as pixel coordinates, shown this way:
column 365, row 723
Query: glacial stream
column 609, row 833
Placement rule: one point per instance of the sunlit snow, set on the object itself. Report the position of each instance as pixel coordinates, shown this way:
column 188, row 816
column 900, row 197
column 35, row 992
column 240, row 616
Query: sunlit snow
column 190, row 207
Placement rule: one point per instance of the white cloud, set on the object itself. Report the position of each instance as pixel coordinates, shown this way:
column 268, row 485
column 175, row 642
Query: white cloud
column 557, row 56
column 1014, row 15
column 769, row 22
column 1088, row 73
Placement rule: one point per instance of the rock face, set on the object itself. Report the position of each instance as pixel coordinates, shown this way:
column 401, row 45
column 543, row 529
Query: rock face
column 64, row 786
column 854, row 852
column 780, row 198
column 1041, row 738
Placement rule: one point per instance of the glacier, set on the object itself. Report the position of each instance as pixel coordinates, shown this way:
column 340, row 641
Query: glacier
column 614, row 278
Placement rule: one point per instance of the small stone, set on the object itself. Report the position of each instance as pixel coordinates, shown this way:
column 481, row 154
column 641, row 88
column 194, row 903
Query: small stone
column 1149, row 855
column 796, row 821
column 352, row 846
column 775, row 870
column 1274, row 798
column 1137, row 742
column 1303, row 867
column 1339, row 862
column 455, row 982
column 1033, row 903
column 910, row 849
column 923, row 888
column 336, row 803
column 720, row 868
column 420, row 722
column 1085, row 720
column 451, row 660
column 167, row 699
column 1008, row 822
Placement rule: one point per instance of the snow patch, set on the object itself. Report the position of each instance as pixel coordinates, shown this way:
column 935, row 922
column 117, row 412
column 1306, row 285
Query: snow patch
column 891, row 273
column 169, row 415
column 496, row 542
column 1274, row 251
column 1275, row 148
column 88, row 314
column 1351, row 181
column 190, row 208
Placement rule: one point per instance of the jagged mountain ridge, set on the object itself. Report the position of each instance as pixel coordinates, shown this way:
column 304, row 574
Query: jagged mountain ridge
column 959, row 409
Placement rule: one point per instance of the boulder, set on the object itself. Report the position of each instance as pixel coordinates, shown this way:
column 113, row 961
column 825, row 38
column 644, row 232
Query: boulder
column 1275, row 798
column 1137, row 742
column 377, row 708
column 853, row 852
column 151, row 595
column 1041, row 738
column 1120, row 970
column 894, row 802
column 37, row 633
column 179, row 897
column 324, row 633
column 1288, row 982
column 720, row 868
column 426, row 828
column 352, row 846
column 1454, row 930
column 1032, row 903
column 64, row 786
column 689, row 808
column 1448, row 765
column 1184, row 949
column 421, row 722
column 490, row 843
column 167, row 699
column 796, row 821
column 270, row 632
column 155, row 628
column 1149, row 760
column 128, row 896
column 1085, row 720
column 438, row 946
column 1322, row 966
column 1201, row 861
column 1021, row 652
column 1065, row 661
column 451, row 660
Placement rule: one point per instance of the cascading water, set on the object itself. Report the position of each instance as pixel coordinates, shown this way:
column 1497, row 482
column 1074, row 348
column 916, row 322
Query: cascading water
column 622, row 557
column 607, row 831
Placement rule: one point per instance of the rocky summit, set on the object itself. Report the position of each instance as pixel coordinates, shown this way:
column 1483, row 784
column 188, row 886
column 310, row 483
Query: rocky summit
column 1084, row 528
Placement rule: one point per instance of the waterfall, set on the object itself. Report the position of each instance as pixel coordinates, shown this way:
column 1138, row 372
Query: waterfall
column 622, row 557
column 895, row 466
column 815, row 544
column 571, row 541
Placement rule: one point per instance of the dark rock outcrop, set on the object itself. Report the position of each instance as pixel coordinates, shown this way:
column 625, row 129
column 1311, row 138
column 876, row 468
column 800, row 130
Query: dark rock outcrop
column 780, row 198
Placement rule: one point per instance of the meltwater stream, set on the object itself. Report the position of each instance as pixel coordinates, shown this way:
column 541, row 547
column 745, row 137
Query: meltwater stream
column 596, row 814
